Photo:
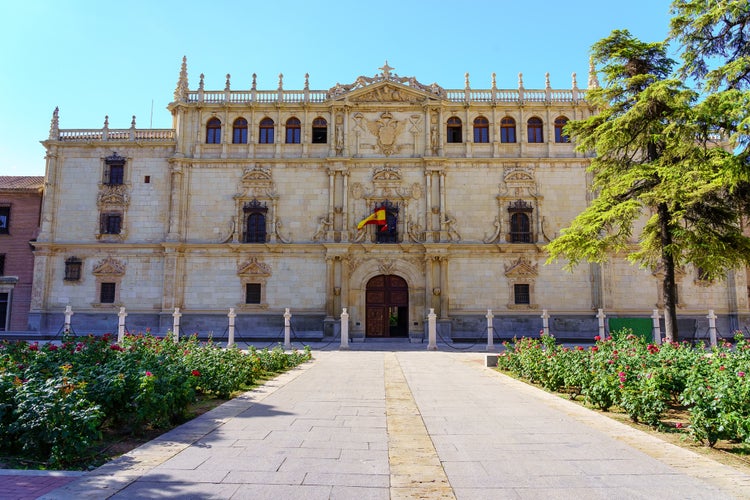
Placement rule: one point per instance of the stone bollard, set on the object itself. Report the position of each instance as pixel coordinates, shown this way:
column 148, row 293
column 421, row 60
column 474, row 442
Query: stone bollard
column 712, row 327
column 545, row 322
column 490, row 335
column 121, row 325
column 432, row 330
column 600, row 316
column 287, row 329
column 230, row 333
column 656, row 329
column 176, row 315
column 344, row 330
column 68, row 314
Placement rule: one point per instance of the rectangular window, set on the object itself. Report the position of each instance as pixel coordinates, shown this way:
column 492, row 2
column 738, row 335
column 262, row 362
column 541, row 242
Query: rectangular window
column 4, row 220
column 107, row 293
column 252, row 293
column 4, row 303
column 73, row 269
column 319, row 135
column 521, row 294
column 111, row 223
column 114, row 175
column 2, row 264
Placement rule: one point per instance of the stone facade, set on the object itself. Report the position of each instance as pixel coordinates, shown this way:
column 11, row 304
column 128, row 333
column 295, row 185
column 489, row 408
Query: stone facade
column 20, row 205
column 253, row 198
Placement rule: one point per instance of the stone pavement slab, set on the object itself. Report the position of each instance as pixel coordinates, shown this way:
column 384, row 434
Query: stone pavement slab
column 389, row 423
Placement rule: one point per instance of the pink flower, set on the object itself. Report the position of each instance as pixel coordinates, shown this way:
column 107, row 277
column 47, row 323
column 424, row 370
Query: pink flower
column 740, row 374
column 722, row 368
column 678, row 425
column 149, row 374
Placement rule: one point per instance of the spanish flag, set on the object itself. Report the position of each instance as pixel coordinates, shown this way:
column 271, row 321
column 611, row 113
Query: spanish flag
column 378, row 217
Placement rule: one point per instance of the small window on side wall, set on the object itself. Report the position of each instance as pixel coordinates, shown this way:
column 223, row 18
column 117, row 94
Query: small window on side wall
column 73, row 269
column 4, row 220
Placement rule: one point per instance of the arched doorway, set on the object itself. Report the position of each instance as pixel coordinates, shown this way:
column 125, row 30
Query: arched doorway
column 387, row 307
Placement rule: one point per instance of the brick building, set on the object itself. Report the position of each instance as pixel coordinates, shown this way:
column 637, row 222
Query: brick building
column 20, row 206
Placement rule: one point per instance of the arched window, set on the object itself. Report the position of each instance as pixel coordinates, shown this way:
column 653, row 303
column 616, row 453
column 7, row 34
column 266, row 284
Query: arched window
column 239, row 131
column 265, row 135
column 255, row 222
column 535, row 126
column 481, row 129
column 520, row 229
column 293, row 128
column 455, row 132
column 560, row 135
column 213, row 131
column 319, row 131
column 507, row 130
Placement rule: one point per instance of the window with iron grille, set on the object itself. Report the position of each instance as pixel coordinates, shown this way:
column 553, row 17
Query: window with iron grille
column 111, row 223
column 114, row 170
column 107, row 292
column 252, row 293
column 521, row 294
column 73, row 269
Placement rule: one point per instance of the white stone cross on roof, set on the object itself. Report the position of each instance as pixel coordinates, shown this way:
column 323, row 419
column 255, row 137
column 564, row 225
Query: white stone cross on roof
column 386, row 70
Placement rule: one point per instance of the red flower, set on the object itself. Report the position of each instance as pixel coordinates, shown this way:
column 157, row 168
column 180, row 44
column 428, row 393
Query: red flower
column 597, row 338
column 678, row 425
column 722, row 368
column 594, row 349
column 740, row 374
column 149, row 374
column 34, row 347
column 196, row 373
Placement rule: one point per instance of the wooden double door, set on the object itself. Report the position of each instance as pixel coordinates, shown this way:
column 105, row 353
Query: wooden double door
column 387, row 307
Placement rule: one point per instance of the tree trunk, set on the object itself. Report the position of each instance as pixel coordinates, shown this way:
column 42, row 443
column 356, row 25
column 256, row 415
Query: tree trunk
column 668, row 284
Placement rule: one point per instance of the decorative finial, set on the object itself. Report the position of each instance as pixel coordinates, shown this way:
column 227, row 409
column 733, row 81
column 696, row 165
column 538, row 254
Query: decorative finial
column 106, row 121
column 132, row 123
column 520, row 80
column 54, row 125
column 546, row 80
column 386, row 70
column 307, row 81
column 180, row 92
column 255, row 78
column 575, row 80
column 200, row 83
column 226, row 87
column 466, row 80
column 593, row 79
column 281, row 81
column 494, row 81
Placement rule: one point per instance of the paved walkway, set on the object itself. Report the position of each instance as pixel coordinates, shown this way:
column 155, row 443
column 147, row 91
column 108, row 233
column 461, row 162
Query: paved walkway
column 371, row 423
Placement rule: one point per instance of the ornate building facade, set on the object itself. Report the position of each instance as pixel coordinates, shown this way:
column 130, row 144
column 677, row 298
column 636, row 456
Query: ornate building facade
column 253, row 201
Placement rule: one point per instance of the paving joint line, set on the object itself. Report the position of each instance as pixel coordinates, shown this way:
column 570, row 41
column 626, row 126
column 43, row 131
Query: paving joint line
column 415, row 468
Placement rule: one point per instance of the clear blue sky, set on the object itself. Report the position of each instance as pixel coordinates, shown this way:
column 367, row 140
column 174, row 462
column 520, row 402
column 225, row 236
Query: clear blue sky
column 97, row 58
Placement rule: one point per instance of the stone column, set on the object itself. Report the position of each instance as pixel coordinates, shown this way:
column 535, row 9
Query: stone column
column 431, row 331
column 330, row 283
column 344, row 282
column 711, row 327
column 490, row 331
column 345, row 207
column 176, row 315
column 121, row 325
column 68, row 314
column 444, row 288
column 428, row 281
column 656, row 329
column 600, row 316
column 428, row 201
column 545, row 322
column 175, row 202
column 441, row 218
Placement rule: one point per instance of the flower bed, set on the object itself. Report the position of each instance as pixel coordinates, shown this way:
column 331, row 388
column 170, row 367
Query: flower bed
column 56, row 399
column 645, row 380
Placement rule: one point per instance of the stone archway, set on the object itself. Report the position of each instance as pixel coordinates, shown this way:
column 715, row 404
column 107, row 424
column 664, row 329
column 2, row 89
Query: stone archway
column 387, row 306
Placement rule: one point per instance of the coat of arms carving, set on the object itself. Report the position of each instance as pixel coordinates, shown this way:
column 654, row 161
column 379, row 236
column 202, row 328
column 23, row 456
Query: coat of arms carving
column 386, row 129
